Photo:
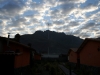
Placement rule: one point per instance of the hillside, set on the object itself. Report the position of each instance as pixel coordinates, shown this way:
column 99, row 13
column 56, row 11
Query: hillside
column 57, row 42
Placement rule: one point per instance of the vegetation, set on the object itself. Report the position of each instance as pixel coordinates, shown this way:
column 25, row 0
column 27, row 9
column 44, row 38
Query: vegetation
column 46, row 68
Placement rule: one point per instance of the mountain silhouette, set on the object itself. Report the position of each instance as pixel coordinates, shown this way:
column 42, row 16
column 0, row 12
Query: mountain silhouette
column 57, row 42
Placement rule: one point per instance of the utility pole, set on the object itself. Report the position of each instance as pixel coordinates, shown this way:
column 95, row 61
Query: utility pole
column 48, row 39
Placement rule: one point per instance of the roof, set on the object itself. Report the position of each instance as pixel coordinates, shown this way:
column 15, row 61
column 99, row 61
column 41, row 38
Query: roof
column 77, row 50
column 86, row 41
column 72, row 49
column 15, row 42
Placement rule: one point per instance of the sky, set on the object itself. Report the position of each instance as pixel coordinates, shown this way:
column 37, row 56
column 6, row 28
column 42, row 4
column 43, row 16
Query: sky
column 80, row 18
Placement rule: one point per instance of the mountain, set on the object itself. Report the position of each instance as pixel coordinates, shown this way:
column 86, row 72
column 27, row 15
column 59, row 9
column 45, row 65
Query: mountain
column 57, row 42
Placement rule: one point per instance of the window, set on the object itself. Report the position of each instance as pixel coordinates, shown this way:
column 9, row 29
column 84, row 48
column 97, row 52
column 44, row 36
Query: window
column 98, row 48
column 17, row 51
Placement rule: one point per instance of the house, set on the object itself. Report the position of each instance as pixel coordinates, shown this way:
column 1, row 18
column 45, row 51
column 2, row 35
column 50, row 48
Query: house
column 87, row 54
column 37, row 56
column 72, row 55
column 13, row 55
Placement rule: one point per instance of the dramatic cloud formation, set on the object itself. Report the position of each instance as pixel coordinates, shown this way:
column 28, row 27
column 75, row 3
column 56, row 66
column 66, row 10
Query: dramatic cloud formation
column 76, row 17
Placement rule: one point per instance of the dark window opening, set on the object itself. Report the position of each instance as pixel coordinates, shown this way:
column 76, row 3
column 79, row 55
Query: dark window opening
column 98, row 48
column 17, row 51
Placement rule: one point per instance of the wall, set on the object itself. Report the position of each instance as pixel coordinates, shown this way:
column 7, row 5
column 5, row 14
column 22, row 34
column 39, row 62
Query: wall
column 20, row 60
column 37, row 57
column 26, row 57
column 90, row 55
column 72, row 57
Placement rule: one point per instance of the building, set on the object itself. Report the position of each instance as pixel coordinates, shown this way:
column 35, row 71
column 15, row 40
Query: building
column 13, row 55
column 72, row 55
column 87, row 54
column 37, row 56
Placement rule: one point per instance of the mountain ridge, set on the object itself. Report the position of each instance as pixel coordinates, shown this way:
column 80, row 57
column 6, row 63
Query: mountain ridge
column 57, row 42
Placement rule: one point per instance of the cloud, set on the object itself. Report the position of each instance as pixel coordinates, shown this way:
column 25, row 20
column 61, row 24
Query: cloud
column 50, row 3
column 67, row 8
column 16, row 22
column 71, row 1
column 58, row 22
column 85, row 35
column 55, row 12
column 68, row 16
column 1, row 22
column 95, row 16
column 10, row 9
column 88, row 25
column 73, row 23
column 89, row 8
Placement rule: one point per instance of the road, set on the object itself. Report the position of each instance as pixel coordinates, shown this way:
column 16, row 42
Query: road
column 65, row 70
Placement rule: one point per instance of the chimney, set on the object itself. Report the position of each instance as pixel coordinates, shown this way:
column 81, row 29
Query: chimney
column 8, row 39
